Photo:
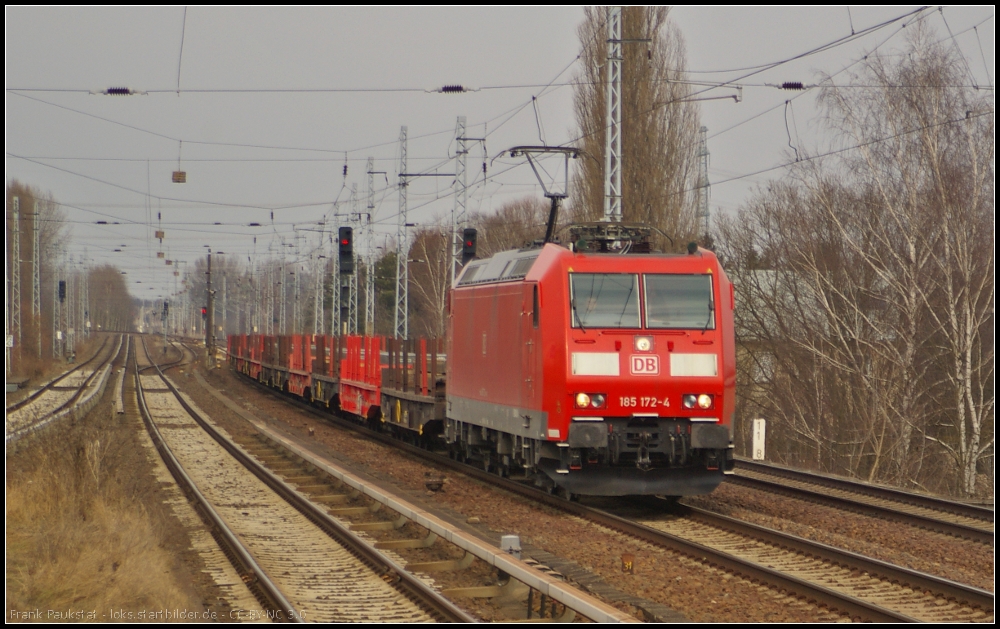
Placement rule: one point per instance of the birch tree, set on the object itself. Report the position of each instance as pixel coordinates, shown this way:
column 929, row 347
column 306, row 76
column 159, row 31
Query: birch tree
column 931, row 172
column 890, row 242
column 429, row 281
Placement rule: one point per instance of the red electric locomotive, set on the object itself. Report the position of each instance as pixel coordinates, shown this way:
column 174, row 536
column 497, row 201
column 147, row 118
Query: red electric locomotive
column 610, row 373
column 598, row 372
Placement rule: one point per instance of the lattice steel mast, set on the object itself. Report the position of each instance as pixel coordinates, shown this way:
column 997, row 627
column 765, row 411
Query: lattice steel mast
column 613, row 141
column 36, row 279
column 401, row 327
column 335, row 321
column 352, row 279
column 461, row 197
column 15, row 279
column 703, row 184
column 319, row 325
column 370, row 265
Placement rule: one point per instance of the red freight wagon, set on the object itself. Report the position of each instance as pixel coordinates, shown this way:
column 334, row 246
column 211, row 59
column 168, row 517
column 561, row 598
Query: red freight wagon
column 326, row 370
column 361, row 377
column 299, row 363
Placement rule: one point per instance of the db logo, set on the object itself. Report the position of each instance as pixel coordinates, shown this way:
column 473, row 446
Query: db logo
column 645, row 365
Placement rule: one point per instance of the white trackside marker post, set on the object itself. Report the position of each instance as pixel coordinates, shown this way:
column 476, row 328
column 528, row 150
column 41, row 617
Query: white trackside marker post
column 758, row 439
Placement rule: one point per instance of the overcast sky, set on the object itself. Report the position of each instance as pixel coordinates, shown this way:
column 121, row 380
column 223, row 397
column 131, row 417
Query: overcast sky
column 274, row 101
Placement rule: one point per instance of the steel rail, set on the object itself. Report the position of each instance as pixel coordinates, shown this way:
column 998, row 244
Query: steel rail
column 409, row 584
column 51, row 383
column 955, row 529
column 164, row 366
column 66, row 407
column 887, row 493
column 256, row 579
column 856, row 608
column 973, row 596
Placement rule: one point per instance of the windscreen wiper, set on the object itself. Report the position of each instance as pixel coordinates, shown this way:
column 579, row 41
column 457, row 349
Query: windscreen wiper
column 572, row 303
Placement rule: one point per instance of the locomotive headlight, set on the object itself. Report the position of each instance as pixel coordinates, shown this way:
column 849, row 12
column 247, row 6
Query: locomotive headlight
column 590, row 400
column 643, row 343
column 702, row 400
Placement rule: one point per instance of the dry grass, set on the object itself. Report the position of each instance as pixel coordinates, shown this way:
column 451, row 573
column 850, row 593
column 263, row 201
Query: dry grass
column 80, row 532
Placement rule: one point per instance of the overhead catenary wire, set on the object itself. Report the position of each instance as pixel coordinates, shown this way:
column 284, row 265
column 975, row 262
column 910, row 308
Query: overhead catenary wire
column 719, row 182
column 986, row 66
column 510, row 113
column 515, row 110
column 388, row 190
column 754, row 70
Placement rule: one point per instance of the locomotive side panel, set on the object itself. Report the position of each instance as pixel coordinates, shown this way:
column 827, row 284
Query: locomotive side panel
column 487, row 371
column 728, row 297
column 549, row 271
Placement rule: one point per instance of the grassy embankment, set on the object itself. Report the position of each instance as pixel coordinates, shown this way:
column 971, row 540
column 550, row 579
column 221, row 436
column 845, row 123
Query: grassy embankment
column 86, row 527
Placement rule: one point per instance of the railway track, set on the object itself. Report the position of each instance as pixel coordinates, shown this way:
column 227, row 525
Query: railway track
column 853, row 585
column 958, row 519
column 439, row 549
column 206, row 542
column 62, row 395
column 300, row 562
column 182, row 358
column 896, row 593
column 51, row 385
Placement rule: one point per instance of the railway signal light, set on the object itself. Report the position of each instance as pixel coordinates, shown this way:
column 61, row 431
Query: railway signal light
column 469, row 236
column 62, row 291
column 166, row 308
column 204, row 313
column 345, row 242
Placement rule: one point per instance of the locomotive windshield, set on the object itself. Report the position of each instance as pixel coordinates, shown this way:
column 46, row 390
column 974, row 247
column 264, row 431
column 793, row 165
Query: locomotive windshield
column 604, row 300
column 679, row 301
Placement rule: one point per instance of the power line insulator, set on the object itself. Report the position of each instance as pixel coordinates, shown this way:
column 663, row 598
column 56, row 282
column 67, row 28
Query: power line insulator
column 792, row 85
column 118, row 91
column 452, row 89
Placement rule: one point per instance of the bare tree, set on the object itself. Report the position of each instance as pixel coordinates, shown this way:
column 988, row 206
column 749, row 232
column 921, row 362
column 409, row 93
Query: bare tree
column 884, row 293
column 933, row 177
column 515, row 224
column 111, row 305
column 52, row 241
column 659, row 123
column 429, row 280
